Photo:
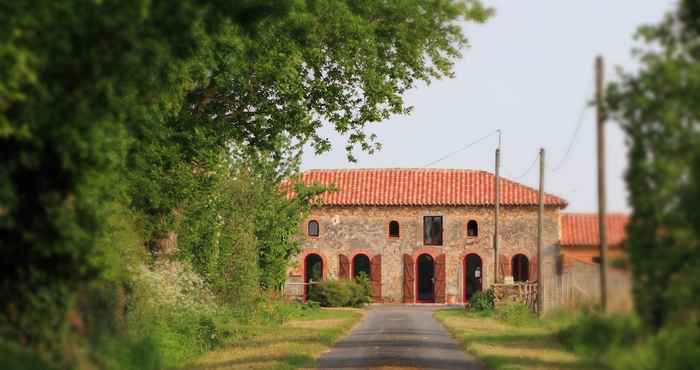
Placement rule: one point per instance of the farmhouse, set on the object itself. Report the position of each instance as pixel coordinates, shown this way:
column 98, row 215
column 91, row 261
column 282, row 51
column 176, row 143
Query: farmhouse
column 427, row 235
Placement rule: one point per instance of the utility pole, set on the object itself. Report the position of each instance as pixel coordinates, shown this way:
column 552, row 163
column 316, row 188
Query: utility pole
column 540, row 230
column 497, row 201
column 600, row 130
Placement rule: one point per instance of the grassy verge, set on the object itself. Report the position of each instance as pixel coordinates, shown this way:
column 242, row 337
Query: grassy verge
column 526, row 344
column 291, row 345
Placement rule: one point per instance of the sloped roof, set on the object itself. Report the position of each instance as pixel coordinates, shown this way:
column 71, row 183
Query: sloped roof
column 581, row 229
column 421, row 187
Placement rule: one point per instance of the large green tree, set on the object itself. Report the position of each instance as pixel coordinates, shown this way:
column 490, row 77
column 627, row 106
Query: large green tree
column 137, row 102
column 658, row 108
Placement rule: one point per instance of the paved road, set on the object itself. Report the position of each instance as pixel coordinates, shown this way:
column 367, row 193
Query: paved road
column 398, row 336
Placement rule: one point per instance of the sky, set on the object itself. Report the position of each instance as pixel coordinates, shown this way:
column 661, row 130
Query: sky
column 529, row 72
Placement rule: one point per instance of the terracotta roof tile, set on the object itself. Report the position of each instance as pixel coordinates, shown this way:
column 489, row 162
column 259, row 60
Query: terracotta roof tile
column 581, row 229
column 421, row 187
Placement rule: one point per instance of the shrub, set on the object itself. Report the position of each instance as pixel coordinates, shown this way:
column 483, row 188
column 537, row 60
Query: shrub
column 482, row 301
column 341, row 293
column 516, row 313
column 595, row 335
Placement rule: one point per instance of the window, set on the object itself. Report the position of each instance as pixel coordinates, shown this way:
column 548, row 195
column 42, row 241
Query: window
column 520, row 267
column 313, row 228
column 472, row 228
column 394, row 229
column 432, row 230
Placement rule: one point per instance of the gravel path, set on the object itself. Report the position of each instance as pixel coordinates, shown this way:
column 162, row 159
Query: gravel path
column 398, row 336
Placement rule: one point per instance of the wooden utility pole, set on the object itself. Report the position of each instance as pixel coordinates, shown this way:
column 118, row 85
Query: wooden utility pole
column 497, row 201
column 540, row 230
column 600, row 129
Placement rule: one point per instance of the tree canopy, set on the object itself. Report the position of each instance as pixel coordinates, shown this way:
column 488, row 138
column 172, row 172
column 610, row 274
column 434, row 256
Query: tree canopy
column 657, row 107
column 154, row 111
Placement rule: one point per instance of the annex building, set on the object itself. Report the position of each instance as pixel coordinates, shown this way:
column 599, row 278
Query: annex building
column 427, row 235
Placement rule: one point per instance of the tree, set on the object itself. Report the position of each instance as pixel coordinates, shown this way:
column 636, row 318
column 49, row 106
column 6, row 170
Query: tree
column 135, row 102
column 657, row 107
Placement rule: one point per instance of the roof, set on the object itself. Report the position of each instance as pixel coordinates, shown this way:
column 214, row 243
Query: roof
column 421, row 187
column 581, row 229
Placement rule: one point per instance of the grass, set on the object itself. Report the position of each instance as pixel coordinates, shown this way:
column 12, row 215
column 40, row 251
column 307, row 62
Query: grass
column 505, row 346
column 292, row 345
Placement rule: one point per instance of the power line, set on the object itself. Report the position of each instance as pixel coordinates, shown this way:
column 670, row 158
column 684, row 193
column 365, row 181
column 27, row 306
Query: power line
column 574, row 138
column 462, row 148
column 527, row 171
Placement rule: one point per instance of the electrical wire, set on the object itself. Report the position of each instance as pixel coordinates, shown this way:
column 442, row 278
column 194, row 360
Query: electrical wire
column 573, row 140
column 527, row 171
column 462, row 148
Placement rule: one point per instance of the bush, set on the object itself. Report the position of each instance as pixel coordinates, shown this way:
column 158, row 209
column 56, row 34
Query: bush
column 482, row 301
column 516, row 313
column 595, row 335
column 341, row 293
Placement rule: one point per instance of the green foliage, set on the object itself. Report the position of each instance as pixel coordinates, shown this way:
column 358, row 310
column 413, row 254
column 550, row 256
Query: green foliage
column 132, row 123
column 482, row 301
column 620, row 343
column 657, row 107
column 516, row 314
column 341, row 293
column 13, row 356
column 594, row 335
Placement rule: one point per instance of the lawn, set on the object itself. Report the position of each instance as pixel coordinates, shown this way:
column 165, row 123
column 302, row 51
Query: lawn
column 503, row 346
column 292, row 345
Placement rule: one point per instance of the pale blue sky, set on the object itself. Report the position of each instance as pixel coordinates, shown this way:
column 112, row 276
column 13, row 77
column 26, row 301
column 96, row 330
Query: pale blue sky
column 528, row 72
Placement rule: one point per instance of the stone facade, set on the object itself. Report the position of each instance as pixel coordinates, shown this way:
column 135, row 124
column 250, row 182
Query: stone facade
column 351, row 230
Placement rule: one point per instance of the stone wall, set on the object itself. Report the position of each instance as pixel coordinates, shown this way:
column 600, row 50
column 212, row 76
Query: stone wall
column 353, row 230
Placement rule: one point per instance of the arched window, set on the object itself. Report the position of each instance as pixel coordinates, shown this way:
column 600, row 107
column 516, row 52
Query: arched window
column 520, row 267
column 472, row 228
column 313, row 228
column 394, row 229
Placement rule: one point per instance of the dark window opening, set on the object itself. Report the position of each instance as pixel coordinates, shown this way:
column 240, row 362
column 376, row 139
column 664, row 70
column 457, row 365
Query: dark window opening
column 472, row 228
column 360, row 265
column 313, row 228
column 394, row 229
column 432, row 230
column 521, row 268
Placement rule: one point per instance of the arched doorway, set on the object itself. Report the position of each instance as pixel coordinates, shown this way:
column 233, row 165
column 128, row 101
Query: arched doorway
column 473, row 273
column 313, row 271
column 426, row 278
column 520, row 266
column 361, row 264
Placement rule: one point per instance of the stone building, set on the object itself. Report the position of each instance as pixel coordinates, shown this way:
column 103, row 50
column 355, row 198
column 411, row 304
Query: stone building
column 425, row 235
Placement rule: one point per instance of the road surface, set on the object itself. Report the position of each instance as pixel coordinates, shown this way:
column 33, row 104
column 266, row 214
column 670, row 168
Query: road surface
column 398, row 336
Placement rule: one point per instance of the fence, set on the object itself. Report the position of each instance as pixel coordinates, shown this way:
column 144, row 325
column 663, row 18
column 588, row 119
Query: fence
column 517, row 292
column 297, row 291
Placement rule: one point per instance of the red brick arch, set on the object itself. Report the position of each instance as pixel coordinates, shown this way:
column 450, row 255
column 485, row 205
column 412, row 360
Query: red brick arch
column 356, row 252
column 432, row 251
column 302, row 261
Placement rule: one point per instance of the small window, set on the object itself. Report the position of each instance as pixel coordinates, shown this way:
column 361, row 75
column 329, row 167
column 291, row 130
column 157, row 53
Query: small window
column 394, row 229
column 472, row 228
column 313, row 228
column 432, row 230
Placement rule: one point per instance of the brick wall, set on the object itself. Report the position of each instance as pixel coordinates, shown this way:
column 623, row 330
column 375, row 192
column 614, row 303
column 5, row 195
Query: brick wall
column 352, row 230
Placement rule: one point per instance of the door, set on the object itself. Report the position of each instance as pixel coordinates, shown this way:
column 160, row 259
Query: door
column 343, row 267
column 408, row 279
column 376, row 277
column 440, row 279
